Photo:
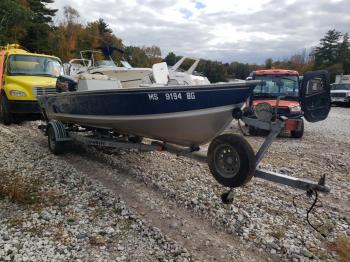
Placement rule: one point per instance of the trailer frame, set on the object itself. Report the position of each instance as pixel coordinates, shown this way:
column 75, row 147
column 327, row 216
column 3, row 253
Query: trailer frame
column 63, row 134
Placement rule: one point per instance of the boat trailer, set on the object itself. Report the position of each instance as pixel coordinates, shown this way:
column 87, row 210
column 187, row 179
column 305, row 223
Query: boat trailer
column 59, row 134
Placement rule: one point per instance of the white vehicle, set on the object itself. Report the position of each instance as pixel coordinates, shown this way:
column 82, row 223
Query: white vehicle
column 340, row 91
column 128, row 76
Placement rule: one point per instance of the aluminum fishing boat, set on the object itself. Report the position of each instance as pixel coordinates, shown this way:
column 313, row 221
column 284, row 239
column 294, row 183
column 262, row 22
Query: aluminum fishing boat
column 183, row 115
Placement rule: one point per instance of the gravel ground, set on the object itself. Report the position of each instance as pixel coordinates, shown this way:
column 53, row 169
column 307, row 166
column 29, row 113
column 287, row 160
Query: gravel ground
column 51, row 212
column 150, row 206
column 336, row 127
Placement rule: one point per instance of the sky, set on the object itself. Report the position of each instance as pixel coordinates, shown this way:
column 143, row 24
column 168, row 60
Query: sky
column 247, row 31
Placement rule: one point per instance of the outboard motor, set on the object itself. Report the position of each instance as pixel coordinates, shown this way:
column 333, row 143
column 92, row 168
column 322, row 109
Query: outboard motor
column 66, row 83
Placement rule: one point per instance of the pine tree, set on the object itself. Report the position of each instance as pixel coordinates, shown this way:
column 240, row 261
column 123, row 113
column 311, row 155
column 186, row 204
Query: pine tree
column 344, row 53
column 170, row 59
column 268, row 63
column 103, row 27
column 39, row 26
column 13, row 21
column 326, row 54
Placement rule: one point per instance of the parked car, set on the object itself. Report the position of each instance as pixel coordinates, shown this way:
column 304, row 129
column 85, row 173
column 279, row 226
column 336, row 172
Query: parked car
column 340, row 92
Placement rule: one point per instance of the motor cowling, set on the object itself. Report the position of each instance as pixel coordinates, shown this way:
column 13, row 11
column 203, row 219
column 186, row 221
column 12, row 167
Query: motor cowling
column 66, row 83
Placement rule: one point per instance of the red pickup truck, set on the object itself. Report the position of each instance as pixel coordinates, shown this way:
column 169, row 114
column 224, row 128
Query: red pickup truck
column 279, row 88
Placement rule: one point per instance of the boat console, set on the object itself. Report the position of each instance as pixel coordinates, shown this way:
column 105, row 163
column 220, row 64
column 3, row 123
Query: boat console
column 86, row 82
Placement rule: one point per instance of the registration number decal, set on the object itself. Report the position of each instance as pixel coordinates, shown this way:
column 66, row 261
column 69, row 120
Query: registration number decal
column 172, row 96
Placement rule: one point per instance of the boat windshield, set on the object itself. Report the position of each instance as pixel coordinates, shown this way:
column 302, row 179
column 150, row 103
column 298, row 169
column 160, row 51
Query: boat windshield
column 105, row 63
column 125, row 64
column 277, row 85
column 31, row 65
column 341, row 87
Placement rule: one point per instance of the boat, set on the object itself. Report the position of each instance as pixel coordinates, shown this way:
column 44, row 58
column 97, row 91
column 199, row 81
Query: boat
column 97, row 111
column 186, row 115
column 88, row 63
column 188, row 77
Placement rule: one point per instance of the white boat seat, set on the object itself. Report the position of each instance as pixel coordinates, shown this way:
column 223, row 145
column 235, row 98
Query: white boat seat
column 160, row 73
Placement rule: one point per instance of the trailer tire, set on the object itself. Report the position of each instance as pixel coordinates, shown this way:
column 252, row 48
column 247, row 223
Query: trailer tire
column 5, row 115
column 231, row 160
column 56, row 147
column 298, row 133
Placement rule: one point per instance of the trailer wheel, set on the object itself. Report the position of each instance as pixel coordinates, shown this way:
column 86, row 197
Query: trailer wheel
column 231, row 160
column 6, row 116
column 298, row 133
column 56, row 147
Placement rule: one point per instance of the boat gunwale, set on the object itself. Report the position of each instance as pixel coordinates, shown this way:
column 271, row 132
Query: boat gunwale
column 173, row 88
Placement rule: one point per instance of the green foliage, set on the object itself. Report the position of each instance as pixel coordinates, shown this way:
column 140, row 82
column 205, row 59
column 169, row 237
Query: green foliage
column 136, row 56
column 344, row 53
column 170, row 59
column 326, row 54
column 333, row 53
column 13, row 21
column 39, row 26
column 214, row 70
column 268, row 63
column 240, row 70
column 103, row 27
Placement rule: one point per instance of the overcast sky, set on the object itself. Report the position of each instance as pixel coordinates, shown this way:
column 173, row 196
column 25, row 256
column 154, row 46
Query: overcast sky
column 224, row 30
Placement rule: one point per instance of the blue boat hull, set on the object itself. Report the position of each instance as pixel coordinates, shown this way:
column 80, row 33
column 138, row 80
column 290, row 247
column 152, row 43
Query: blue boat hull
column 183, row 115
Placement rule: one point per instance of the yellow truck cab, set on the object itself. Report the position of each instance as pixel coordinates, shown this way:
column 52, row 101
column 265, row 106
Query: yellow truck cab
column 24, row 76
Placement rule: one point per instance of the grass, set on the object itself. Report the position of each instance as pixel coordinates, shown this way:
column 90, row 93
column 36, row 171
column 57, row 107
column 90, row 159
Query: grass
column 342, row 247
column 97, row 241
column 327, row 227
column 26, row 190
column 278, row 232
column 18, row 189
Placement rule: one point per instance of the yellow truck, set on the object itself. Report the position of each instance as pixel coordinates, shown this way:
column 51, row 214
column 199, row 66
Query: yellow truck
column 23, row 77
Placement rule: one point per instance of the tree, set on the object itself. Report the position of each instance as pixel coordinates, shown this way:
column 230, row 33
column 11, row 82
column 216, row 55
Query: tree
column 153, row 53
column 13, row 21
column 71, row 16
column 63, row 38
column 170, row 59
column 344, row 54
column 137, row 57
column 103, row 27
column 240, row 70
column 326, row 54
column 268, row 63
column 39, row 26
column 213, row 70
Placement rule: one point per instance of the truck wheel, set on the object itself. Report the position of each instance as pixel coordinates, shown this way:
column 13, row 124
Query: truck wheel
column 298, row 133
column 231, row 160
column 6, row 116
column 56, row 147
